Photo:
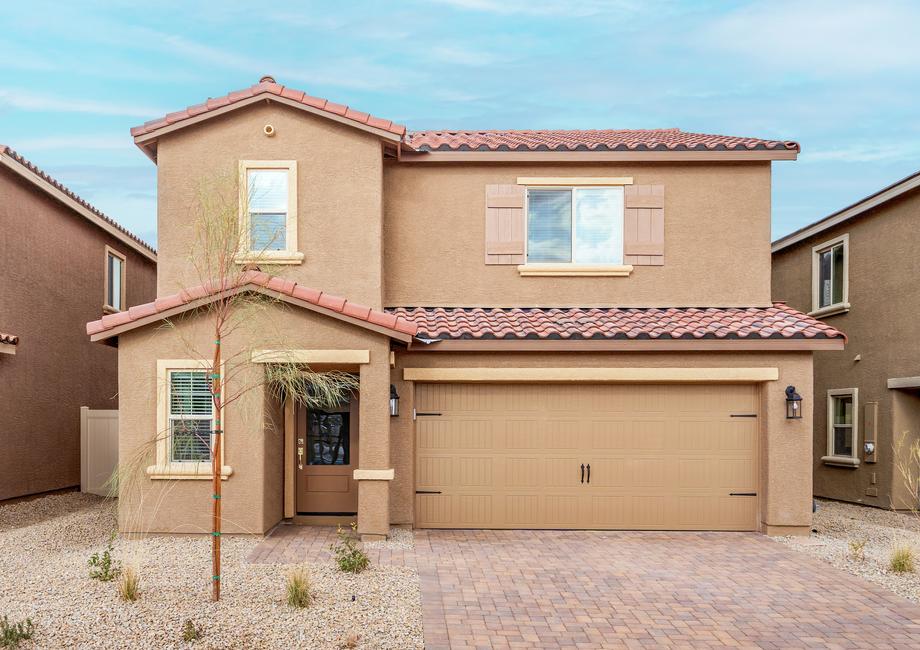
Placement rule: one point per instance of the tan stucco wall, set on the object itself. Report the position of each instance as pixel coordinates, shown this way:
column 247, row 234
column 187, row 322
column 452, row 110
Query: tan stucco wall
column 253, row 495
column 339, row 176
column 717, row 238
column 785, row 444
column 882, row 329
column 52, row 265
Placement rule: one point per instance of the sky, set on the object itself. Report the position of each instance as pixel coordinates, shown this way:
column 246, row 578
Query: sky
column 840, row 77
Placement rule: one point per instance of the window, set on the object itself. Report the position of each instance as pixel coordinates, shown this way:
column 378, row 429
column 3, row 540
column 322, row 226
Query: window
column 191, row 416
column 580, row 225
column 842, row 429
column 328, row 439
column 268, row 214
column 114, row 281
column 830, row 267
column 185, row 421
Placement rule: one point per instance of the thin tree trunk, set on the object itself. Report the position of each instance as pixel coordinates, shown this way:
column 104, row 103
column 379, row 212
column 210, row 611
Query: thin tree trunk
column 216, row 384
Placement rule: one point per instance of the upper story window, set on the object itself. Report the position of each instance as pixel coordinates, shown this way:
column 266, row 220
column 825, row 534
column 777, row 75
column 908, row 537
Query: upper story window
column 268, row 211
column 830, row 284
column 577, row 225
column 114, row 281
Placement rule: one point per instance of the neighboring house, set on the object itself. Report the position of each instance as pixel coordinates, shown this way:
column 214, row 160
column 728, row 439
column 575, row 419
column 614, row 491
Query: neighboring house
column 856, row 270
column 577, row 324
column 62, row 262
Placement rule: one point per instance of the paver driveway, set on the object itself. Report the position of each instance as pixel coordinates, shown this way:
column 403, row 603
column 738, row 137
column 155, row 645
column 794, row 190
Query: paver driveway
column 517, row 589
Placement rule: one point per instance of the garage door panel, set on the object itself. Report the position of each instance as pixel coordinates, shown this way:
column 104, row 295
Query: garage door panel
column 661, row 457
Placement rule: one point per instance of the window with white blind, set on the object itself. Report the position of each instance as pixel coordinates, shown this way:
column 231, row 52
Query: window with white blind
column 114, row 281
column 186, row 421
column 842, row 426
column 191, row 416
column 576, row 225
column 268, row 211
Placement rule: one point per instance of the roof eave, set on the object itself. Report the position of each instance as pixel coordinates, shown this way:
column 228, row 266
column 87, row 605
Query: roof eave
column 635, row 345
column 415, row 156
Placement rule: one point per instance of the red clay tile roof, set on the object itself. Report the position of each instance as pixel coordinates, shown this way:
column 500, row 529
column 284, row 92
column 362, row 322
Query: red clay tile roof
column 9, row 339
column 4, row 150
column 255, row 280
column 595, row 140
column 776, row 322
column 267, row 86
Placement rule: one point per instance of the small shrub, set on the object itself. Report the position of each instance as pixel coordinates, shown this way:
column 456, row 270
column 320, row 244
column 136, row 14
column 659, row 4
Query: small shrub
column 190, row 633
column 858, row 549
column 127, row 584
column 350, row 641
column 902, row 560
column 11, row 635
column 298, row 588
column 102, row 566
column 348, row 556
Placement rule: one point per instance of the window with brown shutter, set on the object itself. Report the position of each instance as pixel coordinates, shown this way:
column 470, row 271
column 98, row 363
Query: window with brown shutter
column 505, row 224
column 643, row 225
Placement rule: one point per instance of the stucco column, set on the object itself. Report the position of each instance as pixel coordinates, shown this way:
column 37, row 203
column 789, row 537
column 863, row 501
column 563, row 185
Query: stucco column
column 374, row 472
column 787, row 451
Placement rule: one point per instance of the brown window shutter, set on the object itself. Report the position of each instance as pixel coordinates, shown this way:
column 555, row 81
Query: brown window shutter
column 505, row 224
column 643, row 225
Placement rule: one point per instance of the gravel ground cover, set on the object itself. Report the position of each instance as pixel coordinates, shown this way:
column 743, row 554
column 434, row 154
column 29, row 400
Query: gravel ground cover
column 837, row 524
column 45, row 545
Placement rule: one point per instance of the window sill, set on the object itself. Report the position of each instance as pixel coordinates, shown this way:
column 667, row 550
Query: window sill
column 575, row 270
column 831, row 310
column 185, row 471
column 841, row 461
column 279, row 257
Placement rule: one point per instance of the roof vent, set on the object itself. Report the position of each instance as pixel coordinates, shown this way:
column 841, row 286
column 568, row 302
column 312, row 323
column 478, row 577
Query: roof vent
column 267, row 79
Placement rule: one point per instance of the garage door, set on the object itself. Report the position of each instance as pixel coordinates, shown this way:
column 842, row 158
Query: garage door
column 666, row 457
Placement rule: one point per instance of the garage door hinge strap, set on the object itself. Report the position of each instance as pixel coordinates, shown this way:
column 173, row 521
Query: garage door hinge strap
column 743, row 415
column 428, row 491
column 418, row 414
column 742, row 494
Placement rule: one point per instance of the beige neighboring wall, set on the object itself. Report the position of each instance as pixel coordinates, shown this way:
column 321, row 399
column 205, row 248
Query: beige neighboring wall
column 785, row 496
column 253, row 495
column 339, row 194
column 882, row 330
column 717, row 222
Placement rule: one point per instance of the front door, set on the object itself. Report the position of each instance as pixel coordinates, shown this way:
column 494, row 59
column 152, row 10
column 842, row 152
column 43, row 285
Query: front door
column 327, row 455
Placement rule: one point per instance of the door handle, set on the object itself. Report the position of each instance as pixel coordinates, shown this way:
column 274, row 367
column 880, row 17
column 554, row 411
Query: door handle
column 582, row 472
column 589, row 472
column 300, row 453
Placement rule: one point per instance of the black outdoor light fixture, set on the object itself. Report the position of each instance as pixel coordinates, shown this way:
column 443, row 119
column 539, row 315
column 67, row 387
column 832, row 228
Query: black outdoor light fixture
column 793, row 404
column 394, row 401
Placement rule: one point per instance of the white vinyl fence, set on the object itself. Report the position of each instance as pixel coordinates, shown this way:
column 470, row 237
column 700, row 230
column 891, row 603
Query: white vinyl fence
column 98, row 450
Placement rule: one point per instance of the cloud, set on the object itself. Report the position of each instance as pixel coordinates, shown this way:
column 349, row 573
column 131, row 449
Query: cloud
column 32, row 101
column 462, row 56
column 566, row 8
column 820, row 37
column 97, row 142
column 866, row 153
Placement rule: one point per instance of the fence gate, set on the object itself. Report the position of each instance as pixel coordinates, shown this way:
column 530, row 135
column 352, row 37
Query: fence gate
column 98, row 450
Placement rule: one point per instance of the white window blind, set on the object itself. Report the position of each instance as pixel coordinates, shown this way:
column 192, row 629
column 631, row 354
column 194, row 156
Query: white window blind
column 115, row 272
column 191, row 415
column 268, row 209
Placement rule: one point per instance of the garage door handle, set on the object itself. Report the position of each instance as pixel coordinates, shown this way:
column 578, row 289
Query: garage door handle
column 742, row 494
column 589, row 472
column 582, row 472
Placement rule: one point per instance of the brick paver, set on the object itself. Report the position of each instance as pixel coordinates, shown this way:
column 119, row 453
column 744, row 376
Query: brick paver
column 580, row 589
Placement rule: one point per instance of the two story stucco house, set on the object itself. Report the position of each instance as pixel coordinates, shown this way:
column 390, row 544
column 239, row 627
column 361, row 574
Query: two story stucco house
column 856, row 269
column 551, row 329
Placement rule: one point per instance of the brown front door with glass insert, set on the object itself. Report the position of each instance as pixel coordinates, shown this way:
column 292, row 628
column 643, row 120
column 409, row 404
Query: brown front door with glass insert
column 327, row 455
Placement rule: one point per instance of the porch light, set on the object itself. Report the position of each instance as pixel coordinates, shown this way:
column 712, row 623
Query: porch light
column 793, row 404
column 394, row 401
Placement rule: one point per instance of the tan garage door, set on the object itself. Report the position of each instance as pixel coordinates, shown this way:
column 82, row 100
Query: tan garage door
column 666, row 457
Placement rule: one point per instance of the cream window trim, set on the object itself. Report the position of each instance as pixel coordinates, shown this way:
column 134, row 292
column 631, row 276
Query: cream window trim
column 843, row 305
column 106, row 307
column 575, row 270
column 290, row 255
column 562, row 375
column 164, row 467
column 833, row 458
column 350, row 357
column 573, row 181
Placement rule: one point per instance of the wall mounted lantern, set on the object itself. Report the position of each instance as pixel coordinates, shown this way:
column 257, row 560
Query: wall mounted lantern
column 793, row 404
column 394, row 401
